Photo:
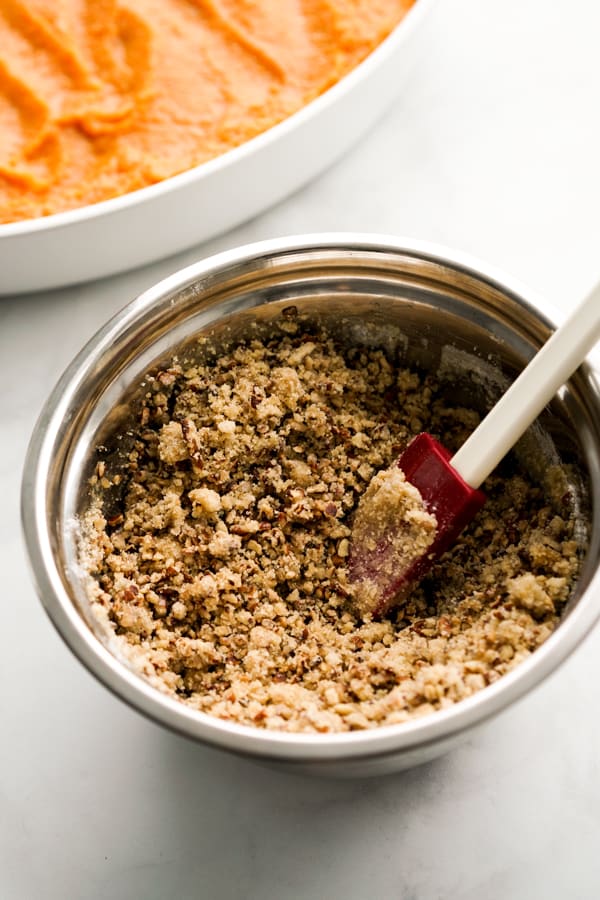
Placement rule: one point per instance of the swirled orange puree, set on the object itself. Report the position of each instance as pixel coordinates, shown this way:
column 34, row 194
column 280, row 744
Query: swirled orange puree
column 98, row 98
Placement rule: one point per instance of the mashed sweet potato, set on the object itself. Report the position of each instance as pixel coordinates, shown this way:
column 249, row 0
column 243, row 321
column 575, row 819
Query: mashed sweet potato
column 99, row 98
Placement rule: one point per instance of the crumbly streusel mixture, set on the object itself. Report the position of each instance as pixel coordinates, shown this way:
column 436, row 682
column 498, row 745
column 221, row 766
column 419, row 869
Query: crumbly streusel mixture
column 223, row 575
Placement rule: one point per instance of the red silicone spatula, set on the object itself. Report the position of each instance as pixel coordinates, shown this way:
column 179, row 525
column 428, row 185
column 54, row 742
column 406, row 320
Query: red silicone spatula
column 381, row 570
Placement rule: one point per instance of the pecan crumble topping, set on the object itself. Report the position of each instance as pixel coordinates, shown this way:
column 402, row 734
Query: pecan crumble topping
column 222, row 576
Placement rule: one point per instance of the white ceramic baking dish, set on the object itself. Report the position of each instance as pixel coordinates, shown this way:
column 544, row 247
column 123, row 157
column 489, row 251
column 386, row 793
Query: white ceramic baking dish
column 194, row 206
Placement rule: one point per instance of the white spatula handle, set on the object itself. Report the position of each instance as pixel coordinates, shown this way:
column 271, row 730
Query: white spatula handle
column 528, row 395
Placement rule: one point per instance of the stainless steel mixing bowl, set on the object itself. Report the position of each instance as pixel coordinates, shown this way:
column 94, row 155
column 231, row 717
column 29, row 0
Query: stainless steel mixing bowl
column 445, row 313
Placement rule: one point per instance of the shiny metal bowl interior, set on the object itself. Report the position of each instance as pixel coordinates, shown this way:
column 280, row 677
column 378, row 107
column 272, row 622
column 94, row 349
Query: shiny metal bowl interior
column 439, row 312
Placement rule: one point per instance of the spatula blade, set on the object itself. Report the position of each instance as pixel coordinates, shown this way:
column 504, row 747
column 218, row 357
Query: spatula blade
column 382, row 571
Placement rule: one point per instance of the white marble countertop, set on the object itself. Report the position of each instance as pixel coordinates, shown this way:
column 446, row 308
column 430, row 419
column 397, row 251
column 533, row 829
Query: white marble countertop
column 493, row 149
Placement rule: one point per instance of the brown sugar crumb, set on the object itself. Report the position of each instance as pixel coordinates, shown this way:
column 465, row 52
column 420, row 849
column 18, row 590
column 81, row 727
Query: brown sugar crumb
column 222, row 576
